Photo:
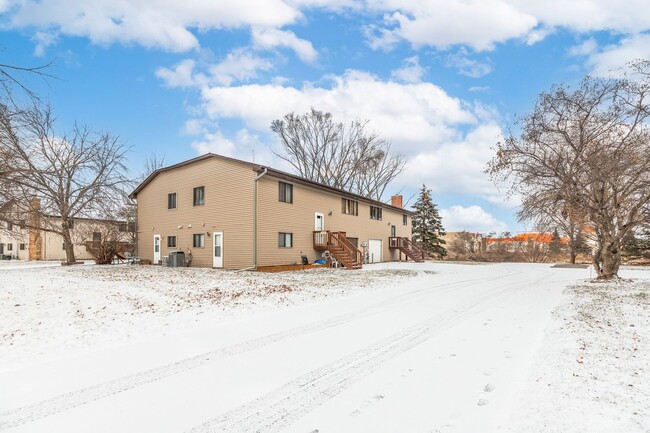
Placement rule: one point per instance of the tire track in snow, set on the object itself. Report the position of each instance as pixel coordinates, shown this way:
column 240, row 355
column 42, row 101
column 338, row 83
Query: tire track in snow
column 281, row 407
column 70, row 400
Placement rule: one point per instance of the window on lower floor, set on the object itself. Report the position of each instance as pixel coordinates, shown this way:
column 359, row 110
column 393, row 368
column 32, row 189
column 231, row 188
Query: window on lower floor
column 199, row 240
column 22, row 247
column 10, row 247
column 375, row 213
column 171, row 241
column 285, row 240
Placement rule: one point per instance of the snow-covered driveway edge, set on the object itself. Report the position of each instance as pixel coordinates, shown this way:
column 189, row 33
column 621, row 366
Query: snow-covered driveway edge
column 591, row 373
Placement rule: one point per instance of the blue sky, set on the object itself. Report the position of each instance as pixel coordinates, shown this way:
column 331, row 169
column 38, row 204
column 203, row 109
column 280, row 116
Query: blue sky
column 440, row 79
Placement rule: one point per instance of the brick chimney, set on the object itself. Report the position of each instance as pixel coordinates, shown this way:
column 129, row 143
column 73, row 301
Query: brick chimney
column 396, row 201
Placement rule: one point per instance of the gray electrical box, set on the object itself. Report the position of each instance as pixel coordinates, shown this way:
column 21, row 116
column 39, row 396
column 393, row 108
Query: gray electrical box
column 176, row 259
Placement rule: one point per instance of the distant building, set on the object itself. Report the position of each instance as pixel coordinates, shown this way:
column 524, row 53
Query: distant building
column 522, row 242
column 24, row 243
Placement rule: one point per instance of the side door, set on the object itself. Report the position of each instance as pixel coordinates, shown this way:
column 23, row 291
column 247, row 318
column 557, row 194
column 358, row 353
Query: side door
column 156, row 249
column 217, row 250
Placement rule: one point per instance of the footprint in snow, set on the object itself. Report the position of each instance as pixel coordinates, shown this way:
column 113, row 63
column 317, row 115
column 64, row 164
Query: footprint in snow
column 482, row 402
column 489, row 387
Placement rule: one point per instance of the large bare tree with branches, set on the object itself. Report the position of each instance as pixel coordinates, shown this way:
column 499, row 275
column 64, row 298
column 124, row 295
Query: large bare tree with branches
column 76, row 174
column 344, row 156
column 587, row 150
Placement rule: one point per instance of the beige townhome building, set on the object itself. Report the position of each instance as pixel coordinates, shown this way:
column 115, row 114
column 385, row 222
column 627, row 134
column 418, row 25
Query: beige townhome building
column 236, row 215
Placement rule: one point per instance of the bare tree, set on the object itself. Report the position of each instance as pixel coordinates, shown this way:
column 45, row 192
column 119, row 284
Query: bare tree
column 341, row 155
column 586, row 149
column 569, row 221
column 65, row 177
column 152, row 163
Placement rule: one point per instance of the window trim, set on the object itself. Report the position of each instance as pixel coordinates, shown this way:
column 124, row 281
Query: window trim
column 169, row 238
column 405, row 220
column 202, row 237
column 283, row 187
column 169, row 196
column 22, row 247
column 282, row 239
column 195, row 202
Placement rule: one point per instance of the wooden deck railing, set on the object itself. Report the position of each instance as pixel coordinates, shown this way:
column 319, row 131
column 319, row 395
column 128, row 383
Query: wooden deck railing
column 340, row 247
column 407, row 246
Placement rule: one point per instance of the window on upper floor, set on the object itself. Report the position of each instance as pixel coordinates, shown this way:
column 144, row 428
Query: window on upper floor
column 171, row 200
column 285, row 193
column 350, row 207
column 199, row 196
column 405, row 220
column 375, row 213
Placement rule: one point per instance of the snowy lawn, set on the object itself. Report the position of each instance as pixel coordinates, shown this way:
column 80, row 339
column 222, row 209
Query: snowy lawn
column 593, row 369
column 430, row 348
column 50, row 310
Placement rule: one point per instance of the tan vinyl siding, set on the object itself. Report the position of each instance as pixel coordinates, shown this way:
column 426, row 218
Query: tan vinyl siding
column 228, row 208
column 299, row 218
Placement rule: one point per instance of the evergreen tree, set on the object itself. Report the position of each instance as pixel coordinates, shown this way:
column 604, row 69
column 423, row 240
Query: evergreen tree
column 427, row 224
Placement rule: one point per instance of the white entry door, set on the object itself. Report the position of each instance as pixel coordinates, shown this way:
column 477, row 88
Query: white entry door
column 217, row 250
column 374, row 250
column 319, row 222
column 156, row 249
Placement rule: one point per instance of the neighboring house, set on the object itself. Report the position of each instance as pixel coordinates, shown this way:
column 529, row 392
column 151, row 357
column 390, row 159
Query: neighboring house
column 25, row 243
column 522, row 242
column 235, row 214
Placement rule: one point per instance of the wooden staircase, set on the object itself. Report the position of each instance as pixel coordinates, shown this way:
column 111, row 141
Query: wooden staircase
column 407, row 246
column 339, row 247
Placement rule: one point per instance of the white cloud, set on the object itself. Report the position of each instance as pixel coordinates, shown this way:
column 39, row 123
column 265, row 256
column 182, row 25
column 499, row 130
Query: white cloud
column 585, row 48
column 181, row 75
column 164, row 24
column 467, row 66
column 43, row 40
column 269, row 38
column 584, row 16
column 215, row 142
column 411, row 72
column 478, row 24
column 412, row 115
column 604, row 62
column 239, row 65
column 471, row 219
column 456, row 166
column 175, row 26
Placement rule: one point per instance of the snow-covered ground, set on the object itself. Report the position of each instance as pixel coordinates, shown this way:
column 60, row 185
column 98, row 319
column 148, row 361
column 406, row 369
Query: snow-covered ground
column 397, row 347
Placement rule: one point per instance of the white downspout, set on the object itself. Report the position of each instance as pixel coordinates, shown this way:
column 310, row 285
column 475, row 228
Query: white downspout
column 255, row 220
